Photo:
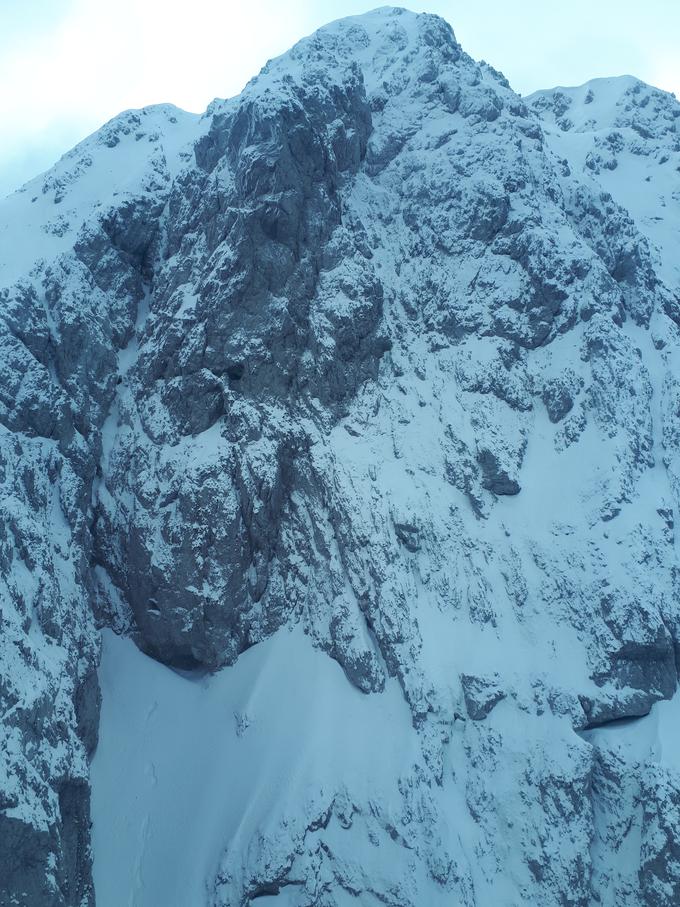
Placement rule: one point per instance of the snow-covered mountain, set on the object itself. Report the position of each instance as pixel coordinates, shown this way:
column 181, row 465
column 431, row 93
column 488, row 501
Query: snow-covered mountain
column 349, row 413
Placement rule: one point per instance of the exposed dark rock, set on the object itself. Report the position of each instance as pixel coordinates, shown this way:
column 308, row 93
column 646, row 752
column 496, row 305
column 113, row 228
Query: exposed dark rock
column 481, row 694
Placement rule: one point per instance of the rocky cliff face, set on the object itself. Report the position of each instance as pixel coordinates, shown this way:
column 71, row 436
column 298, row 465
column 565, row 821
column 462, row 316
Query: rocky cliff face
column 381, row 350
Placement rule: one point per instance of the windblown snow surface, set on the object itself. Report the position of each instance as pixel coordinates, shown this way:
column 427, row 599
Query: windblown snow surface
column 339, row 471
column 184, row 763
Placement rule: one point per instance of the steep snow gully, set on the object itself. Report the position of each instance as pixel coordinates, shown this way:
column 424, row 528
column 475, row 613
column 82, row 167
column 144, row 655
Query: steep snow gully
column 339, row 471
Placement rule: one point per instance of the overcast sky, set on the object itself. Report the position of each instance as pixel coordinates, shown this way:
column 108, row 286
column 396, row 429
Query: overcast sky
column 67, row 66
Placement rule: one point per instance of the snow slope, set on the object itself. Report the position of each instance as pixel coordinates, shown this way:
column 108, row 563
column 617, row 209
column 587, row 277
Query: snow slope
column 137, row 151
column 184, row 761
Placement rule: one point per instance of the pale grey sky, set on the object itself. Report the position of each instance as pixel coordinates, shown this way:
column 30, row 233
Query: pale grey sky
column 66, row 66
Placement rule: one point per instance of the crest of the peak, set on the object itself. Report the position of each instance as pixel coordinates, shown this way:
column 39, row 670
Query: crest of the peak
column 378, row 42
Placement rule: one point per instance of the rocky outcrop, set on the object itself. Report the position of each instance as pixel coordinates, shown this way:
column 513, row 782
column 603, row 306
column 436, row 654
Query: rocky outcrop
column 481, row 694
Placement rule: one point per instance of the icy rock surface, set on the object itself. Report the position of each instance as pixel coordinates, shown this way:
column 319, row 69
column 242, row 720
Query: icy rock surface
column 380, row 351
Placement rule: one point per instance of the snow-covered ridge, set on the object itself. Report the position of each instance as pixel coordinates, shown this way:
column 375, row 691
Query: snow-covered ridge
column 358, row 393
column 625, row 136
column 137, row 151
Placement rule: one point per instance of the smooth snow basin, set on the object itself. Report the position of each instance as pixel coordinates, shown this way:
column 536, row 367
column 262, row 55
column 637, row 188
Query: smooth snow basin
column 186, row 766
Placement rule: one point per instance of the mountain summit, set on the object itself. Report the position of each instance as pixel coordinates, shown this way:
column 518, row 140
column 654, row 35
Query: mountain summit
column 347, row 416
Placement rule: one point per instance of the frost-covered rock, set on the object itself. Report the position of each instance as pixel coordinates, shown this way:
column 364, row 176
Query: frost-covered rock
column 481, row 694
column 383, row 352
